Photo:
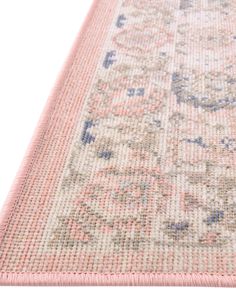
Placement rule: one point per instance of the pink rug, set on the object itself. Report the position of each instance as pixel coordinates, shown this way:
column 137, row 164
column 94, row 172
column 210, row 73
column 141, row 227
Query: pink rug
column 130, row 178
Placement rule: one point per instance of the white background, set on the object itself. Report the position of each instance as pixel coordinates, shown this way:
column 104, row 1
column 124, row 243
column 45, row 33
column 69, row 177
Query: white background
column 35, row 39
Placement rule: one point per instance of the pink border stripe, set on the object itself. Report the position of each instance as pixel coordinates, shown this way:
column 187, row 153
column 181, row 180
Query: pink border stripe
column 92, row 279
column 146, row 279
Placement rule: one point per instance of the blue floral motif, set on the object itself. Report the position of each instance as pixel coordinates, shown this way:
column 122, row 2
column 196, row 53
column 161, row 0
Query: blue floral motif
column 215, row 217
column 179, row 226
column 177, row 230
column 120, row 21
column 105, row 154
column 86, row 137
column 198, row 141
column 131, row 92
column 109, row 59
column 229, row 143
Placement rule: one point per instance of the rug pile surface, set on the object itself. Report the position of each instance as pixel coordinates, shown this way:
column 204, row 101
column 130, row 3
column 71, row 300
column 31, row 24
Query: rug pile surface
column 130, row 178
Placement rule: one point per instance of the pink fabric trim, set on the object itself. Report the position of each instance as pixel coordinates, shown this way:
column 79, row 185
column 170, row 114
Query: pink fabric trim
column 146, row 279
column 93, row 279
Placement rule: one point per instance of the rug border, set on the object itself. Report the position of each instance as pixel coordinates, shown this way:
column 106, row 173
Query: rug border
column 131, row 279
column 88, row 279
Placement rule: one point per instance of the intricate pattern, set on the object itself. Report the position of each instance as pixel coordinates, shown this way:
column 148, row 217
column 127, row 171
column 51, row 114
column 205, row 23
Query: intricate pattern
column 187, row 87
column 149, row 182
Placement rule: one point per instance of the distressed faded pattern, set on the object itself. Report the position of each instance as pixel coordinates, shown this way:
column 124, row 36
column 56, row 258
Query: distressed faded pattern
column 134, row 171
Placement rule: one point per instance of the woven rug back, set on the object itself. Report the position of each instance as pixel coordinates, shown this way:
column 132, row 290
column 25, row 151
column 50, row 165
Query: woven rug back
column 131, row 175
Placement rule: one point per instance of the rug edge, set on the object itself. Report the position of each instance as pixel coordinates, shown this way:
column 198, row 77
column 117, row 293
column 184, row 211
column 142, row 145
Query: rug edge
column 135, row 279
